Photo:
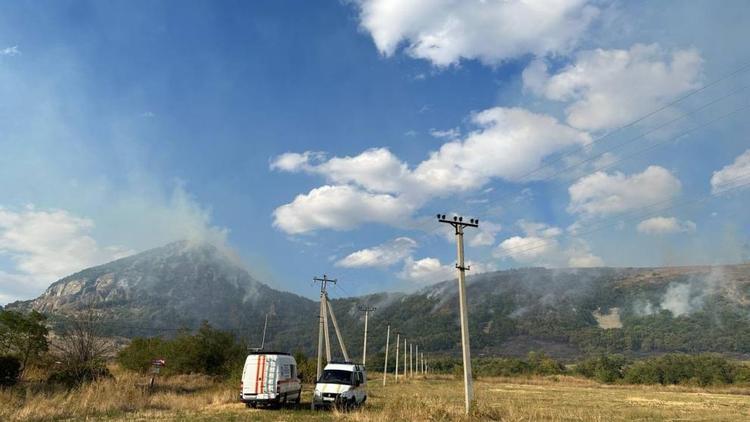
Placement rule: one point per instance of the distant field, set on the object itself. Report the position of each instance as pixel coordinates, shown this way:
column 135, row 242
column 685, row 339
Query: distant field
column 435, row 398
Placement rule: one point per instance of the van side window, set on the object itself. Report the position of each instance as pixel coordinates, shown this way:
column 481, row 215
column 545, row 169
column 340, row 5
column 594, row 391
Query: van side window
column 293, row 370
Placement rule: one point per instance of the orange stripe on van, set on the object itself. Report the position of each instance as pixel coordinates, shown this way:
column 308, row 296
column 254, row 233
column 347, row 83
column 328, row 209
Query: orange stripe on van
column 257, row 373
column 263, row 374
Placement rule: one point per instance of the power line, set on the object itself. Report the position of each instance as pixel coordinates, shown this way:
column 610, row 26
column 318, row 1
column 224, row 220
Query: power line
column 739, row 70
column 659, row 143
column 650, row 131
column 541, row 244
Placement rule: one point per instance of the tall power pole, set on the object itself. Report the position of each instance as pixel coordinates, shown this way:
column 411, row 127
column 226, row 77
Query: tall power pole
column 398, row 341
column 459, row 225
column 366, row 310
column 411, row 360
column 323, row 326
column 416, row 357
column 336, row 327
column 387, row 338
column 404, row 358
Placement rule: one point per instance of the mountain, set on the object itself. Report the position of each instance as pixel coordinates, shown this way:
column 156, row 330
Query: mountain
column 162, row 290
column 564, row 312
column 572, row 312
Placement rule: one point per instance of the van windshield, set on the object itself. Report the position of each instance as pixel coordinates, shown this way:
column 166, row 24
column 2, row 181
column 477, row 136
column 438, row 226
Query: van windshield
column 336, row 376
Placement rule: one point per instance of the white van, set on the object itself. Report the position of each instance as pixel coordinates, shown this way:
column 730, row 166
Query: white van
column 270, row 379
column 342, row 384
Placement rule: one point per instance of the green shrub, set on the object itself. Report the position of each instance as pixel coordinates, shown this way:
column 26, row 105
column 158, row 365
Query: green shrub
column 684, row 369
column 137, row 356
column 73, row 375
column 10, row 368
column 603, row 368
column 307, row 368
column 209, row 351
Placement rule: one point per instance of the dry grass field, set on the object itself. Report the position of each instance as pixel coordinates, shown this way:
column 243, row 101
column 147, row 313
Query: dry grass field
column 433, row 399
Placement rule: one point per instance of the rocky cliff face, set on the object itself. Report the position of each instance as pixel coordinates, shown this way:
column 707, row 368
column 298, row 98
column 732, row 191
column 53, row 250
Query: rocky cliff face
column 177, row 285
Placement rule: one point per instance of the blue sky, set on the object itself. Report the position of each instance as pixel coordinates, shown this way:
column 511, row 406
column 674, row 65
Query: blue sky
column 323, row 137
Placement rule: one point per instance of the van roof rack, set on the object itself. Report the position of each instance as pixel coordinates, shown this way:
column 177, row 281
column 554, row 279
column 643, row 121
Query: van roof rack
column 346, row 362
column 263, row 352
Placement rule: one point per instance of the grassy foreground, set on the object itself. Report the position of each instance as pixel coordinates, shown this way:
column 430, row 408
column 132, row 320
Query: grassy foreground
column 435, row 398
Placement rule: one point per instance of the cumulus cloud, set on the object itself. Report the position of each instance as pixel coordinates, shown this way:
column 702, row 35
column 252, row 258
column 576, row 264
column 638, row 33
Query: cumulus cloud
column 383, row 255
column 294, row 162
column 339, row 208
column 449, row 134
column 665, row 225
column 608, row 88
column 426, row 270
column 46, row 245
column 508, row 143
column 485, row 236
column 602, row 194
column 732, row 175
column 541, row 245
column 10, row 51
column 446, row 31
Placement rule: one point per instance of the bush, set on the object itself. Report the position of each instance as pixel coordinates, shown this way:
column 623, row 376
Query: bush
column 10, row 369
column 702, row 370
column 137, row 356
column 604, row 368
column 306, row 368
column 209, row 351
column 74, row 375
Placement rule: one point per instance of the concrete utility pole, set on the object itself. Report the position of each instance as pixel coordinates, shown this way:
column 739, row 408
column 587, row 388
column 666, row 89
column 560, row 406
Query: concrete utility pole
column 323, row 326
column 458, row 224
column 411, row 360
column 416, row 357
column 387, row 338
column 366, row 310
column 405, row 358
column 398, row 341
column 338, row 332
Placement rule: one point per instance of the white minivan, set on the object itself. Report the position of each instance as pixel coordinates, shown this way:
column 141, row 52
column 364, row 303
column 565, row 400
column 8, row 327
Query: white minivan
column 342, row 384
column 270, row 379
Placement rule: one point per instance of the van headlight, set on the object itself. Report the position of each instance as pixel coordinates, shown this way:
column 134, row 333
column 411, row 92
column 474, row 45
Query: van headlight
column 317, row 393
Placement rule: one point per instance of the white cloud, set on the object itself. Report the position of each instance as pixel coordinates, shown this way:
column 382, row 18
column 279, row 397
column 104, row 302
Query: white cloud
column 732, row 175
column 528, row 249
column 446, row 31
column 383, row 255
column 608, row 88
column 376, row 170
column 339, row 208
column 541, row 246
column 603, row 194
column 426, row 270
column 48, row 245
column 508, row 143
column 448, row 134
column 294, row 162
column 665, row 225
column 485, row 235
column 10, row 51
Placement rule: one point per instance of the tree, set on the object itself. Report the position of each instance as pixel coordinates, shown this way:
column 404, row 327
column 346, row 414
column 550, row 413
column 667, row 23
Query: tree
column 23, row 335
column 82, row 350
